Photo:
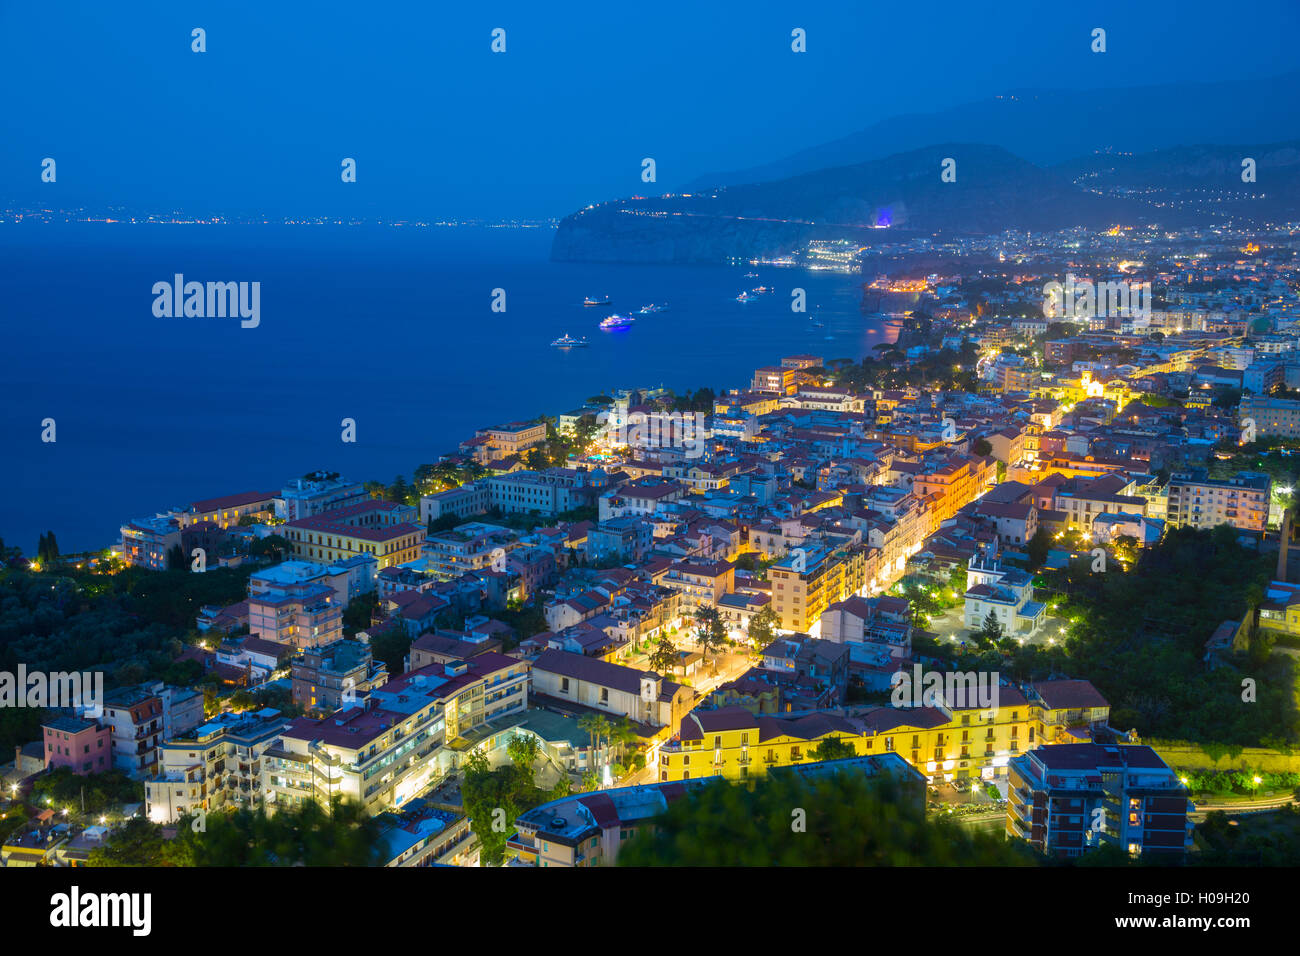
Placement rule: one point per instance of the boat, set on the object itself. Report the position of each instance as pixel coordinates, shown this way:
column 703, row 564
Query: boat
column 745, row 297
column 751, row 275
column 763, row 290
column 567, row 341
column 652, row 308
column 616, row 321
column 590, row 300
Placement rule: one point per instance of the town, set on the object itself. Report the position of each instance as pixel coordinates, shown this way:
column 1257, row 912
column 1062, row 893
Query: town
column 537, row 646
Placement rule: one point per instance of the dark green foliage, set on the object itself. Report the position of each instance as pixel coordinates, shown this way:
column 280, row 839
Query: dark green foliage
column 832, row 748
column 850, row 821
column 128, row 625
column 494, row 799
column 1265, row 839
column 306, row 835
column 101, row 791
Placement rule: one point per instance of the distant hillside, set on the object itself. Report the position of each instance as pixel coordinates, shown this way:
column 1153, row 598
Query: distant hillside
column 1050, row 126
column 994, row 191
column 1202, row 183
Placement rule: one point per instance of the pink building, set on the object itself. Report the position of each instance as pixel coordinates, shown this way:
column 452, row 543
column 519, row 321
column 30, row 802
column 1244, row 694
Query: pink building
column 78, row 743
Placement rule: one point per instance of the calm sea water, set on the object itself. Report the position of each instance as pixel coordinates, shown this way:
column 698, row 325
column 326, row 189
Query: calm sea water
column 389, row 326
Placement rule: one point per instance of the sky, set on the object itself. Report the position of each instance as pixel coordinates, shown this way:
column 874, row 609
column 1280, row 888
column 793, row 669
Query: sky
column 440, row 126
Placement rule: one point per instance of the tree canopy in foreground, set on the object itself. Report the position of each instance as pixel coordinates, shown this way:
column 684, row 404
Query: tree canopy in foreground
column 846, row 820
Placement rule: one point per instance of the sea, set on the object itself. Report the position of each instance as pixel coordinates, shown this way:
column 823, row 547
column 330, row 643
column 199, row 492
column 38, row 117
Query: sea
column 390, row 326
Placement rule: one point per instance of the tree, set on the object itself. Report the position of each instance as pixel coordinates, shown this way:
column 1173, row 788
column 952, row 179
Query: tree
column 175, row 558
column 762, row 627
column 399, row 491
column 982, row 448
column 524, row 749
column 136, row 843
column 991, row 630
column 665, row 657
column 832, row 748
column 845, row 820
column 597, row 727
column 1038, row 547
column 711, row 632
column 622, row 735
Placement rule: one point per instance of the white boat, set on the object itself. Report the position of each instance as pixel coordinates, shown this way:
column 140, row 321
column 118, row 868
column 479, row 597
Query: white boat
column 592, row 300
column 616, row 321
column 652, row 308
column 567, row 341
column 745, row 297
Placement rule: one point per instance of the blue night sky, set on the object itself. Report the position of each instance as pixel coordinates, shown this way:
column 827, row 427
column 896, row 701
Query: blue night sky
column 440, row 126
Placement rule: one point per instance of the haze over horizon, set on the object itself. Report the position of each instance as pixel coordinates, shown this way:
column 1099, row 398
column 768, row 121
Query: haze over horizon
column 442, row 127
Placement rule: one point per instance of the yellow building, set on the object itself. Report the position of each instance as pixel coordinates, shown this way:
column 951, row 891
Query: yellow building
column 382, row 529
column 943, row 743
column 227, row 511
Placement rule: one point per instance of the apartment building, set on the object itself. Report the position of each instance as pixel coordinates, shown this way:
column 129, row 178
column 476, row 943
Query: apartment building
column 1199, row 502
column 587, row 829
column 955, row 482
column 384, row 530
column 1066, row 711
column 1068, row 799
column 141, row 717
column 644, row 496
column 146, row 542
column 299, row 615
column 619, row 539
column 699, row 584
column 425, row 835
column 215, row 766
column 387, row 748
column 326, row 678
column 318, row 493
column 548, row 492
column 470, row 547
column 348, row 579
column 1271, row 416
column 804, row 583
column 466, row 501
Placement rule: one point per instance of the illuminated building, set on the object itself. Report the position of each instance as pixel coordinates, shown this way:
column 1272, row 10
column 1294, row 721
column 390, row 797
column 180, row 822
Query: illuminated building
column 1068, row 799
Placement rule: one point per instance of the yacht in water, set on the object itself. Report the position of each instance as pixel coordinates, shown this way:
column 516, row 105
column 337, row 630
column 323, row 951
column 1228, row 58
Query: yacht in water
column 745, row 297
column 652, row 308
column 616, row 321
column 596, row 300
column 567, row 341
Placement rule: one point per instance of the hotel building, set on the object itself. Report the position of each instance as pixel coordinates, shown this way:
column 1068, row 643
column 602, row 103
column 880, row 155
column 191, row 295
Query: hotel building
column 386, row 749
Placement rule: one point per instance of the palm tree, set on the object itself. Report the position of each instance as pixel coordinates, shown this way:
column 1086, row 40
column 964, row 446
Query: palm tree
column 621, row 735
column 597, row 727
